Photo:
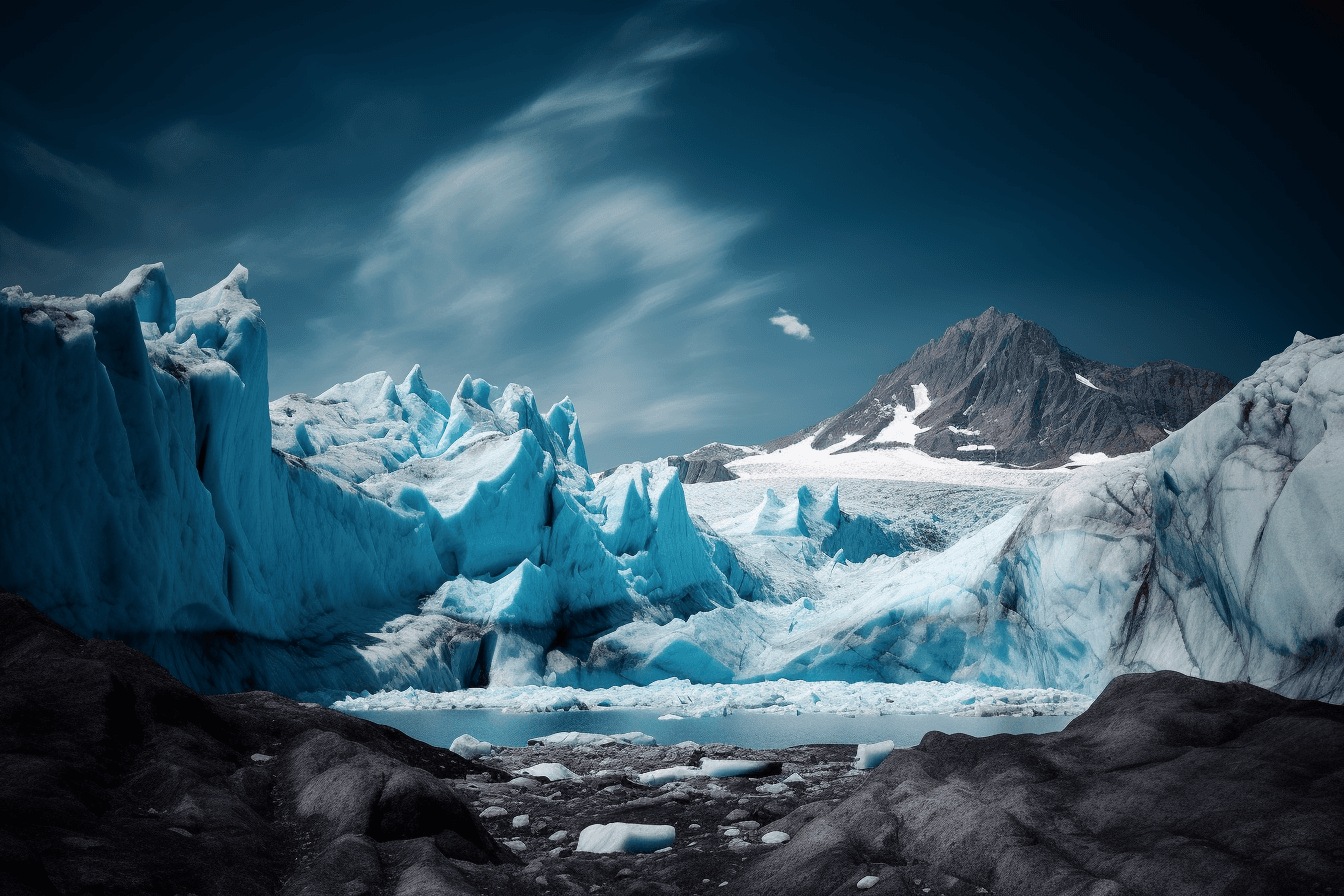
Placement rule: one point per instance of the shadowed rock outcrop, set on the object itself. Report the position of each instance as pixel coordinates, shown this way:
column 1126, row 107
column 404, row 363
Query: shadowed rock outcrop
column 1168, row 785
column 115, row 778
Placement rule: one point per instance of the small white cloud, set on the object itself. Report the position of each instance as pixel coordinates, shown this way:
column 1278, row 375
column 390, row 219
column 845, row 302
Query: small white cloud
column 791, row 325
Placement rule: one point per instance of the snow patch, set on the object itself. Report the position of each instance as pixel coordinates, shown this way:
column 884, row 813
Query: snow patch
column 902, row 429
column 1086, row 382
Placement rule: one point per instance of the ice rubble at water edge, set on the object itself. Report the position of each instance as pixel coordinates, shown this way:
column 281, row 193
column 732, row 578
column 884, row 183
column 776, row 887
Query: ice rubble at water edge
column 162, row 514
column 704, row 700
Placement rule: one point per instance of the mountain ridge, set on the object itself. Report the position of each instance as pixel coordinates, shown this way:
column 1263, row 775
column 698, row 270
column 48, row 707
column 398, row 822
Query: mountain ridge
column 1002, row 388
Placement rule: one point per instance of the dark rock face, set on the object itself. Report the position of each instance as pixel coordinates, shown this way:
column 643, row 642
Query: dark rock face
column 1168, row 785
column 115, row 778
column 1006, row 382
column 693, row 471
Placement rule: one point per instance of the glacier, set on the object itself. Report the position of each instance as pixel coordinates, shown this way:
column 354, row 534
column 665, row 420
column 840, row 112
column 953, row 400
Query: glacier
column 387, row 537
column 378, row 535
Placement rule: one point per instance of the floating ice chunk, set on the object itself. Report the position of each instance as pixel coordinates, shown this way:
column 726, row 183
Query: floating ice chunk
column 670, row 717
column 773, row 837
column 551, row 771
column 871, row 755
column 469, row 747
column 622, row 836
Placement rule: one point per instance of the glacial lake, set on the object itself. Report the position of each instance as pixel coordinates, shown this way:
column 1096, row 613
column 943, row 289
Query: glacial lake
column 756, row 730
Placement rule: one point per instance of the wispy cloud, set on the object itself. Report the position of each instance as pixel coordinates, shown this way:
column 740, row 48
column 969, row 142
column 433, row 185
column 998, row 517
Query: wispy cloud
column 791, row 325
column 544, row 245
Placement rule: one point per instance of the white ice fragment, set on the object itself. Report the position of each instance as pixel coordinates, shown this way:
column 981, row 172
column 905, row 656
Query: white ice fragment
column 867, row 883
column 777, row 787
column 469, row 747
column 551, row 771
column 871, row 755
column 774, row 837
column 620, row 836
column 670, row 717
column 661, row 776
column 795, row 778
column 261, row 757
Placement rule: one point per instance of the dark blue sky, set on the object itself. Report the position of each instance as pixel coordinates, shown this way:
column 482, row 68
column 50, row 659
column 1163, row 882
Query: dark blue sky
column 613, row 201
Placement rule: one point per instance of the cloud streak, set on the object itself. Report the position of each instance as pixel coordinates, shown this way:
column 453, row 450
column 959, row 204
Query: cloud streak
column 791, row 325
column 543, row 253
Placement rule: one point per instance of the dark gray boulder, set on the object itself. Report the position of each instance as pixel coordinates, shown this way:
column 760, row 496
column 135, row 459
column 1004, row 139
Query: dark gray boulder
column 691, row 471
column 1168, row 785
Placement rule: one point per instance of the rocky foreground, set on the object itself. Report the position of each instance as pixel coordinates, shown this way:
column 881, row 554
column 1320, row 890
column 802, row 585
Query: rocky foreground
column 115, row 778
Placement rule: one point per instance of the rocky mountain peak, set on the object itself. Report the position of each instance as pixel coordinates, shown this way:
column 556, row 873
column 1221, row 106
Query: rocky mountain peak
column 1000, row 388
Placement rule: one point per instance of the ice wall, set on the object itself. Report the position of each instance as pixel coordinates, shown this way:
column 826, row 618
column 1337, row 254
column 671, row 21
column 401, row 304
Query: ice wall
column 153, row 495
column 1248, row 510
column 1219, row 554
column 142, row 496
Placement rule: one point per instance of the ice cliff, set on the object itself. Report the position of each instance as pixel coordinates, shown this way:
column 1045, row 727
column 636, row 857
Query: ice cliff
column 386, row 535
column 152, row 495
column 1219, row 553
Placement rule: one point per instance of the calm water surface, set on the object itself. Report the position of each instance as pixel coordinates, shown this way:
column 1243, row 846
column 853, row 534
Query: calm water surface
column 744, row 729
